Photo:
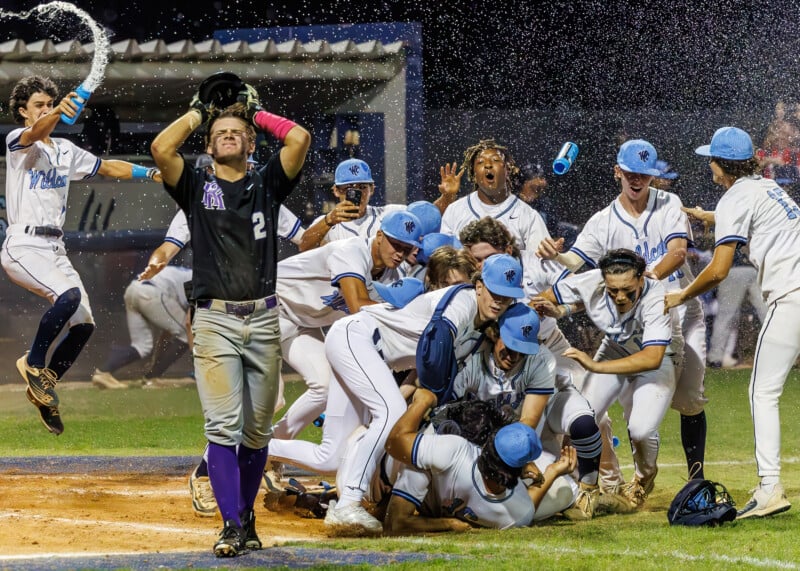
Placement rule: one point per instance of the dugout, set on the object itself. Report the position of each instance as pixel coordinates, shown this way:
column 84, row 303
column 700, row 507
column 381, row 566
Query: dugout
column 357, row 88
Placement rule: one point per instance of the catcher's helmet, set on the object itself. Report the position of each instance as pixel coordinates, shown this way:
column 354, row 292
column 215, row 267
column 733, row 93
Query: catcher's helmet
column 701, row 502
column 220, row 89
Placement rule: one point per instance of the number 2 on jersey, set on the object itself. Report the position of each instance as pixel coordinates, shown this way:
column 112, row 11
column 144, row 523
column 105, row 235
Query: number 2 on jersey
column 259, row 225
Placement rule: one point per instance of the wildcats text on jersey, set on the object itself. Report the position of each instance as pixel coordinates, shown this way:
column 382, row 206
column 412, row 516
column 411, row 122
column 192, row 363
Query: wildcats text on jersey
column 45, row 180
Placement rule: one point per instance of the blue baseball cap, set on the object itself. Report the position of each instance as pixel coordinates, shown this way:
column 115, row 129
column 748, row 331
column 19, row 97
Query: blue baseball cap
column 666, row 170
column 352, row 171
column 519, row 329
column 402, row 291
column 402, row 226
column 502, row 275
column 728, row 143
column 428, row 214
column 638, row 156
column 431, row 242
column 517, row 444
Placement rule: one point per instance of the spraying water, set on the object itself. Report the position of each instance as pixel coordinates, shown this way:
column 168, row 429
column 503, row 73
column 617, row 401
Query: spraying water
column 53, row 11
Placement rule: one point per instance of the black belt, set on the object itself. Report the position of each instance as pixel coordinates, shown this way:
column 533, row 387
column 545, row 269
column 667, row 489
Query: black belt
column 238, row 308
column 44, row 231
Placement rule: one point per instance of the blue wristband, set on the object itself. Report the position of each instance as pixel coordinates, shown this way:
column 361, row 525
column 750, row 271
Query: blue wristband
column 139, row 171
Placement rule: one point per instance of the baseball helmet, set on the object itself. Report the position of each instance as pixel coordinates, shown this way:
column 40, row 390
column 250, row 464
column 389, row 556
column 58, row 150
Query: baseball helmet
column 702, row 502
column 220, row 89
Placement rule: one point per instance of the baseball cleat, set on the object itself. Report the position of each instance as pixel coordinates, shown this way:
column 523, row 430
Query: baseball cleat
column 762, row 504
column 353, row 516
column 231, row 541
column 272, row 478
column 41, row 382
column 204, row 503
column 251, row 540
column 585, row 504
column 47, row 414
column 103, row 380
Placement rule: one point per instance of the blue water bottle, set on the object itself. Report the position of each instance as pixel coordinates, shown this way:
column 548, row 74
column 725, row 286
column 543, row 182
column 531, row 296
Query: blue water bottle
column 80, row 101
column 566, row 157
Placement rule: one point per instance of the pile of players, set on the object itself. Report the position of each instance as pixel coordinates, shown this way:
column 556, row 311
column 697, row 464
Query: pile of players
column 527, row 433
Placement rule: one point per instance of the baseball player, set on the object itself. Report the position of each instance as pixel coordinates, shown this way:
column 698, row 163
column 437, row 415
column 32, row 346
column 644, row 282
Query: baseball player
column 517, row 374
column 39, row 170
column 757, row 212
column 490, row 166
column 637, row 361
column 651, row 223
column 353, row 177
column 234, row 214
column 364, row 347
column 455, row 484
column 158, row 304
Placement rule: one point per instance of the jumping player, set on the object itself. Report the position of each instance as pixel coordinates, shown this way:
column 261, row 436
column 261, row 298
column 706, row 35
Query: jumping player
column 234, row 214
column 651, row 223
column 637, row 361
column 40, row 168
column 490, row 166
column 757, row 212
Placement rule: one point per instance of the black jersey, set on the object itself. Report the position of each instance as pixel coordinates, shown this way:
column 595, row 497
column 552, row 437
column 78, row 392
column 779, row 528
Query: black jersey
column 233, row 228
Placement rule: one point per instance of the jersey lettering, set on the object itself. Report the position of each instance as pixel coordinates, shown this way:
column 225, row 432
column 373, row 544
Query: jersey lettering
column 335, row 301
column 47, row 179
column 212, row 196
column 777, row 194
column 651, row 255
column 259, row 225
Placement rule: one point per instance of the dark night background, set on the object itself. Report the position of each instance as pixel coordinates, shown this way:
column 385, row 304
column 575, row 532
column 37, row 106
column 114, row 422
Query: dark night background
column 589, row 54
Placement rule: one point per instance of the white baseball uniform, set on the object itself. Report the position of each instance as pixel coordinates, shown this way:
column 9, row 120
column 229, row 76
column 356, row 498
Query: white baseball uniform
column 645, row 397
column 361, row 348
column 524, row 223
column 159, row 302
column 309, row 299
column 444, row 481
column 366, row 226
column 37, row 185
column 648, row 235
column 757, row 212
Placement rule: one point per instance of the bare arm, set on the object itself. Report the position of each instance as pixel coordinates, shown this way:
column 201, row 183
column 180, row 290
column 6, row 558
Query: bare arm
column 672, row 260
column 45, row 124
column 164, row 147
column 564, row 465
column 648, row 359
column 315, row 235
column 293, row 152
column 404, row 432
column 449, row 187
column 550, row 249
column 532, row 409
column 401, row 519
column 355, row 294
column 160, row 257
column 123, row 170
column 711, row 276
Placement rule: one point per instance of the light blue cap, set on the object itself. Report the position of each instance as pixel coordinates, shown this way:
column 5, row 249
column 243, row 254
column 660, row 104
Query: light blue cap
column 430, row 242
column 517, row 444
column 402, row 226
column 502, row 275
column 352, row 171
column 666, row 170
column 519, row 329
column 402, row 291
column 428, row 214
column 638, row 156
column 728, row 143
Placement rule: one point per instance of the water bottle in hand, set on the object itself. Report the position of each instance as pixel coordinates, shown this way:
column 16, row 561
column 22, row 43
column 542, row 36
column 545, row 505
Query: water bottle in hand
column 80, row 101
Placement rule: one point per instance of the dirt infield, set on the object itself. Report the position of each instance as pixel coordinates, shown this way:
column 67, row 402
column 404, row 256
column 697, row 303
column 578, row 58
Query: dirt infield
column 113, row 513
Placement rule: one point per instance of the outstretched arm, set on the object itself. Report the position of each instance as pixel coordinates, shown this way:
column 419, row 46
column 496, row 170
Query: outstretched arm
column 164, row 147
column 401, row 438
column 45, row 124
column 711, row 276
column 160, row 257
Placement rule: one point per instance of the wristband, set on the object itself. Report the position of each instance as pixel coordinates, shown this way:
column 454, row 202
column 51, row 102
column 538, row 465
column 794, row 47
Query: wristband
column 274, row 124
column 568, row 309
column 138, row 171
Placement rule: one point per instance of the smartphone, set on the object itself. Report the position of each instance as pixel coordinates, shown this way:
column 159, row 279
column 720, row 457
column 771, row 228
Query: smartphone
column 353, row 195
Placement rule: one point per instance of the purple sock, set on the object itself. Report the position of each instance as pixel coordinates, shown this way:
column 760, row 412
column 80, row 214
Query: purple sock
column 251, row 470
column 223, row 472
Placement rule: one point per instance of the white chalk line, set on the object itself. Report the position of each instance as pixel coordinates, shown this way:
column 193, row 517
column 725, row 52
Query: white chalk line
column 630, row 553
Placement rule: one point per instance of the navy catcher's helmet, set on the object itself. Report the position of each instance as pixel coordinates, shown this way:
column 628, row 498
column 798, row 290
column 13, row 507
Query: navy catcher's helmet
column 702, row 502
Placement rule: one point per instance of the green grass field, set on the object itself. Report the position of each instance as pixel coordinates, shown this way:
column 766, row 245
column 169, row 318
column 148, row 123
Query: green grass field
column 168, row 422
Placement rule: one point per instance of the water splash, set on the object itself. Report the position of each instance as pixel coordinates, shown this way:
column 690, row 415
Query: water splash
column 53, row 12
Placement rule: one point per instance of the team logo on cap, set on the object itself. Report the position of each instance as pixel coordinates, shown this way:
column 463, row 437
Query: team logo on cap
column 526, row 331
column 398, row 283
column 510, row 275
column 354, row 169
column 410, row 226
column 644, row 155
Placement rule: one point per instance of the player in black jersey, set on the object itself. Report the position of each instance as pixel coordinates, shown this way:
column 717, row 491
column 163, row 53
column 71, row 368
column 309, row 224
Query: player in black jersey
column 232, row 215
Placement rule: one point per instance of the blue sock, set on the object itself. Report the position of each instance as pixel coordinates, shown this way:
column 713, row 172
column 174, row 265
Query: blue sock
column 251, row 470
column 585, row 437
column 51, row 324
column 69, row 348
column 223, row 471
